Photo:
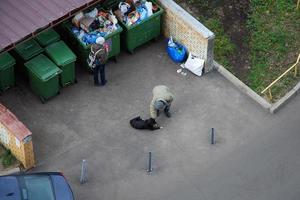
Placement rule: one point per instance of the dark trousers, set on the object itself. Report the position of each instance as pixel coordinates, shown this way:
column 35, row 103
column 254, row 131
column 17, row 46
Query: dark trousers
column 99, row 70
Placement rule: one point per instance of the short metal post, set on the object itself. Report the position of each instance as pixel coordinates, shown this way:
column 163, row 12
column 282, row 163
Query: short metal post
column 270, row 95
column 83, row 174
column 149, row 163
column 212, row 136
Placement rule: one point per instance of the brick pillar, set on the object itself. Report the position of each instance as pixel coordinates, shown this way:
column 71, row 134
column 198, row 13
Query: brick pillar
column 187, row 30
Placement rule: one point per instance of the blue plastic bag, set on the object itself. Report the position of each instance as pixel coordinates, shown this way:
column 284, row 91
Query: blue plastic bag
column 89, row 38
column 176, row 51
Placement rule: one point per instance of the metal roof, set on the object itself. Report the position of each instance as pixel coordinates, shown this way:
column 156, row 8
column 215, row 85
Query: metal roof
column 21, row 18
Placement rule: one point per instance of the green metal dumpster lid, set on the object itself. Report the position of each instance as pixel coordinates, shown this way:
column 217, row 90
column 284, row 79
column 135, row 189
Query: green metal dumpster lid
column 6, row 60
column 47, row 37
column 28, row 49
column 60, row 53
column 42, row 67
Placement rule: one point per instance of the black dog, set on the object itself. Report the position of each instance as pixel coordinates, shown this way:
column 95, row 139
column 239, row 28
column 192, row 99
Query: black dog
column 139, row 123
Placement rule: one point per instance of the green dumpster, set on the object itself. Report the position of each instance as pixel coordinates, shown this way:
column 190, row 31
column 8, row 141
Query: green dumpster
column 43, row 76
column 138, row 34
column 47, row 37
column 66, row 35
column 28, row 49
column 64, row 58
column 7, row 72
column 82, row 50
column 25, row 51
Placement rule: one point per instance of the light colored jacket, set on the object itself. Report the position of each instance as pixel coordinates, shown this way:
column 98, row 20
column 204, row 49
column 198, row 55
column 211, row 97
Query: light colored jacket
column 160, row 93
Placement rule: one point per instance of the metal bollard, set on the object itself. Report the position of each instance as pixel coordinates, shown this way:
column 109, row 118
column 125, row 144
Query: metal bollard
column 149, row 163
column 83, row 174
column 213, row 136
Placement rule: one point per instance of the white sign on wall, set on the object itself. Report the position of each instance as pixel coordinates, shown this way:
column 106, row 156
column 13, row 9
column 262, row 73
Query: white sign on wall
column 4, row 135
column 18, row 142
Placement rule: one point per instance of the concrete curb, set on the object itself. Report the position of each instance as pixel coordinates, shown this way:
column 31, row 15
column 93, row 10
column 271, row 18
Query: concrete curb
column 284, row 100
column 10, row 171
column 242, row 86
column 272, row 108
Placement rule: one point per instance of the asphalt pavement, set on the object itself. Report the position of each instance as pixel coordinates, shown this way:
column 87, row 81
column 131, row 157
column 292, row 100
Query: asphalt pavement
column 256, row 155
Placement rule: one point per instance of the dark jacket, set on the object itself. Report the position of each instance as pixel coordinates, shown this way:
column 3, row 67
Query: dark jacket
column 101, row 53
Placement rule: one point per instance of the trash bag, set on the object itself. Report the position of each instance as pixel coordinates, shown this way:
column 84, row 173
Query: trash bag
column 176, row 51
column 194, row 64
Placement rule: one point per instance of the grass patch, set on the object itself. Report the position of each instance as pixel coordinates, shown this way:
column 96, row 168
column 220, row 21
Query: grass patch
column 274, row 40
column 7, row 159
column 206, row 14
column 274, row 43
column 223, row 48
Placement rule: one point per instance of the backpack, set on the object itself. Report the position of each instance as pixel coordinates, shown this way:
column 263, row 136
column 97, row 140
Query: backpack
column 91, row 60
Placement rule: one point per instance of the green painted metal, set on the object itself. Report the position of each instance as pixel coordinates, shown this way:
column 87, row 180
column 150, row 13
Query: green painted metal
column 82, row 50
column 7, row 72
column 138, row 34
column 43, row 77
column 28, row 49
column 47, row 37
column 65, row 59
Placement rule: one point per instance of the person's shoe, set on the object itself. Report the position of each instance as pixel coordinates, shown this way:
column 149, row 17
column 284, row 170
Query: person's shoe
column 96, row 84
column 103, row 83
column 168, row 114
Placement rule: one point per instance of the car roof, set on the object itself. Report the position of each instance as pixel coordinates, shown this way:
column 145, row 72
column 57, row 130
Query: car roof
column 10, row 186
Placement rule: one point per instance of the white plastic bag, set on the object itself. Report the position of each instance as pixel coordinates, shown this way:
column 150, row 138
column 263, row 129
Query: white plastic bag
column 148, row 6
column 93, row 13
column 171, row 43
column 194, row 64
column 112, row 17
column 124, row 7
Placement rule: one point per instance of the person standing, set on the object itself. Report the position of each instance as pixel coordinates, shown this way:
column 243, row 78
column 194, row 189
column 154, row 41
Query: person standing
column 100, row 52
column 162, row 99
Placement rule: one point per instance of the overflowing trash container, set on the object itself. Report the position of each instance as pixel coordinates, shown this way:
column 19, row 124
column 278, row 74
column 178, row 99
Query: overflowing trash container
column 43, row 77
column 65, row 59
column 24, row 52
column 7, row 72
column 140, row 20
column 86, row 27
column 47, row 37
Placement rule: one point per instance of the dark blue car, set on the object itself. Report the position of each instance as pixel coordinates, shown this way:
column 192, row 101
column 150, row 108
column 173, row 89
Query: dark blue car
column 37, row 186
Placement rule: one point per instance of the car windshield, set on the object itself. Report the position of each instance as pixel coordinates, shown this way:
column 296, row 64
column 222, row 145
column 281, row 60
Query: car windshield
column 37, row 187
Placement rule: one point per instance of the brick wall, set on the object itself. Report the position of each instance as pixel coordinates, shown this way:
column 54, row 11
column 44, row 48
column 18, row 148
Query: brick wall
column 16, row 137
column 185, row 29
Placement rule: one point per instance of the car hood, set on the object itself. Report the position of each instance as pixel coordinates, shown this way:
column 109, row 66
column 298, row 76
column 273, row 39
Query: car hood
column 9, row 188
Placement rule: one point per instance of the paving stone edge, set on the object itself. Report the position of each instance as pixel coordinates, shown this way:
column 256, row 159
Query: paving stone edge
column 272, row 108
column 242, row 86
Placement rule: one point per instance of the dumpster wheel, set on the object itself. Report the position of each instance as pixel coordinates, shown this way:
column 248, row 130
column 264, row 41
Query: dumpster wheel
column 155, row 39
column 115, row 59
column 43, row 100
column 131, row 51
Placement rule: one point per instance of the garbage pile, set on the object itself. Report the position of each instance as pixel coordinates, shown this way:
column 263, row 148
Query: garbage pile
column 176, row 51
column 132, row 12
column 94, row 24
